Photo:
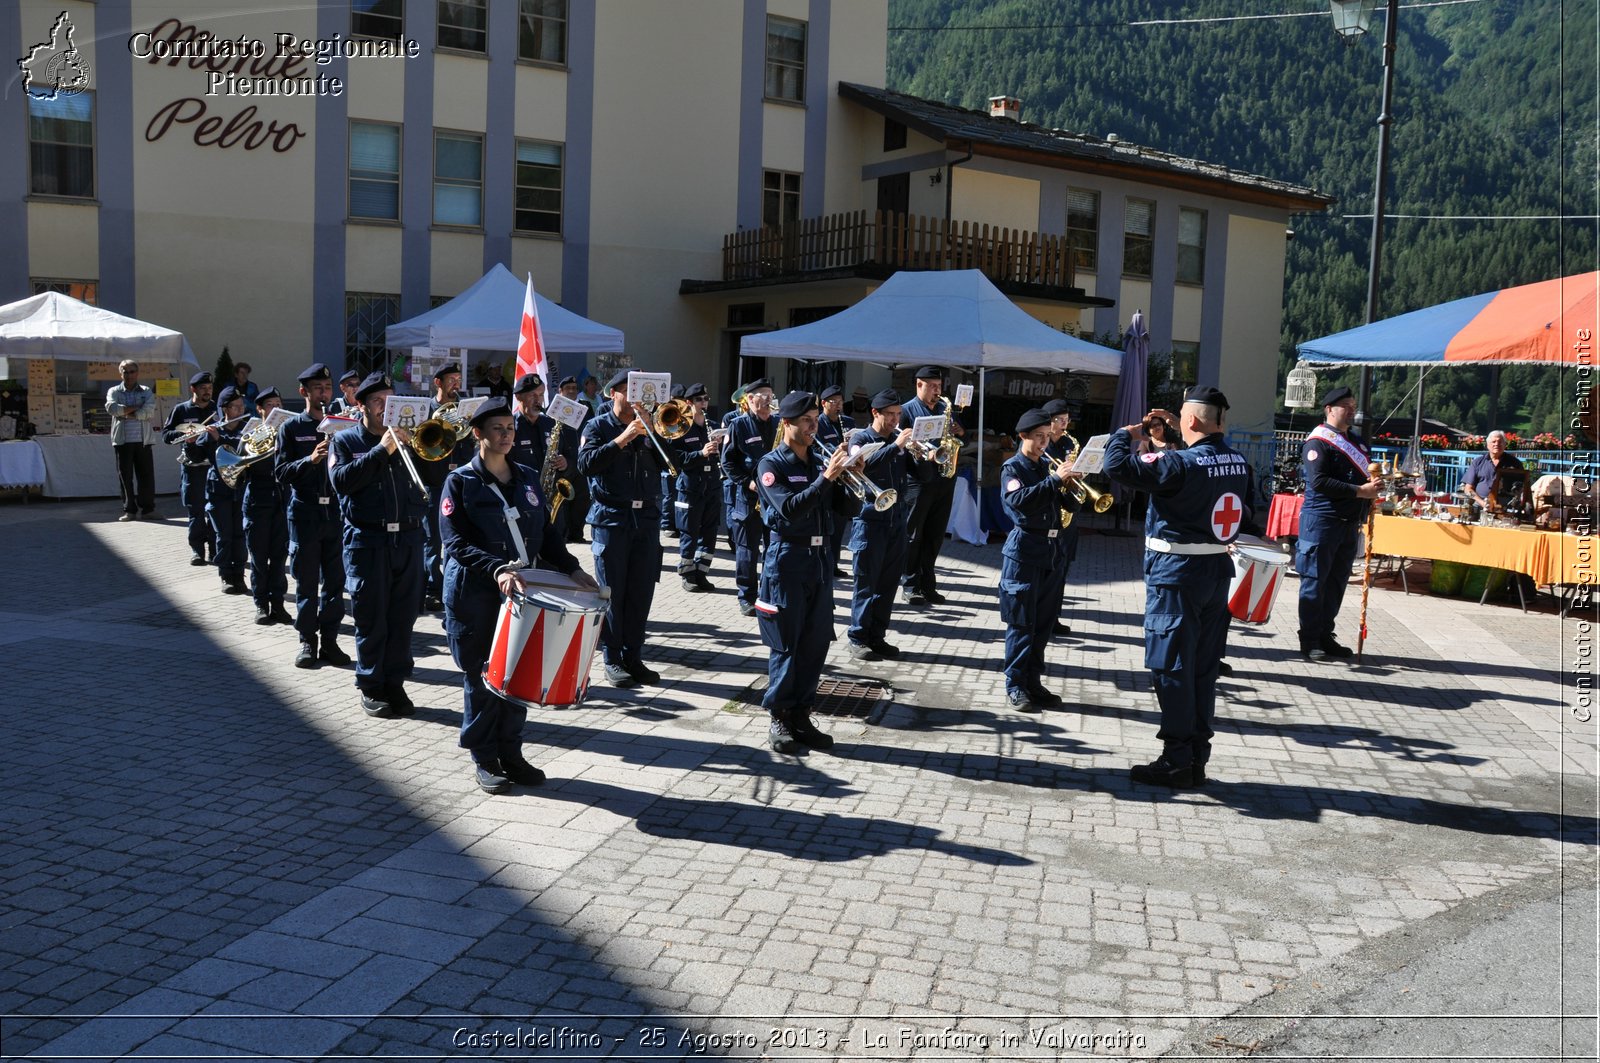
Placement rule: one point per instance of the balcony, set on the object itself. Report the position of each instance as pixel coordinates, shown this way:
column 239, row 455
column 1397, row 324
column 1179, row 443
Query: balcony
column 876, row 244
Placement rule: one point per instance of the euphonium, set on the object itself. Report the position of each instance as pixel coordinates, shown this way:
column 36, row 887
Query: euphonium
column 435, row 438
column 673, row 418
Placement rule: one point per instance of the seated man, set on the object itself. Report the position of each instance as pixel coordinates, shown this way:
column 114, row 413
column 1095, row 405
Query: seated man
column 1485, row 467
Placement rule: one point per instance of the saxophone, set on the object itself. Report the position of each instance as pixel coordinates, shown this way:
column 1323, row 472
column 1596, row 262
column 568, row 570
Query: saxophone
column 949, row 445
column 555, row 491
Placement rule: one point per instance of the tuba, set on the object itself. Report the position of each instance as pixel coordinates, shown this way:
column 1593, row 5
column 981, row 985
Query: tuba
column 436, row 438
column 258, row 440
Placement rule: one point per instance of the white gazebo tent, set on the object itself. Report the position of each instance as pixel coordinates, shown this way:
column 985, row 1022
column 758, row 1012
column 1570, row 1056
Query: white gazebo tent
column 58, row 326
column 488, row 317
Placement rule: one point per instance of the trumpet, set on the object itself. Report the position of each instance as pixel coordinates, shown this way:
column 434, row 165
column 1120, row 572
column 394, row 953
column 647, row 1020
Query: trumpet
column 258, row 441
column 881, row 498
column 1099, row 501
column 647, row 417
column 937, row 453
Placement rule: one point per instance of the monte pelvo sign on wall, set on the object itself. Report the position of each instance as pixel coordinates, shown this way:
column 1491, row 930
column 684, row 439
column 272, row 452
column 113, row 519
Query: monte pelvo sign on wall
column 281, row 66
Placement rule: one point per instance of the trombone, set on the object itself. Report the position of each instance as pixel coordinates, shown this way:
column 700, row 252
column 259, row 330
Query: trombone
column 670, row 420
column 881, row 498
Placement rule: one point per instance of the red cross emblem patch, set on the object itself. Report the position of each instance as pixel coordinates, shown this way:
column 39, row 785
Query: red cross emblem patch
column 767, row 479
column 1225, row 517
column 448, row 506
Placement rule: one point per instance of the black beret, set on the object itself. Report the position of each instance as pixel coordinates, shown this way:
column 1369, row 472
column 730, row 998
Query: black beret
column 527, row 382
column 1032, row 419
column 677, row 391
column 351, row 376
column 884, row 399
column 445, row 370
column 567, row 380
column 198, row 379
column 314, row 371
column 494, row 406
column 830, row 392
column 270, row 393
column 228, row 394
column 1056, row 407
column 930, row 372
column 695, row 391
column 618, row 381
column 374, row 383
column 1335, row 396
column 1206, row 394
column 796, row 405
column 761, row 382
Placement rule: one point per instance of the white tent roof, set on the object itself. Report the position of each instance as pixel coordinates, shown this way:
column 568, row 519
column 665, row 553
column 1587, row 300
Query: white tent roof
column 488, row 317
column 58, row 326
column 946, row 317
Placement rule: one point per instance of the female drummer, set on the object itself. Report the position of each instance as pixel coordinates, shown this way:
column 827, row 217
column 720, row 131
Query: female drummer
column 493, row 524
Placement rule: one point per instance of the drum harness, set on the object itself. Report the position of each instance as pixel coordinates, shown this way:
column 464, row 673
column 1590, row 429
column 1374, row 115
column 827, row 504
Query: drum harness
column 512, row 517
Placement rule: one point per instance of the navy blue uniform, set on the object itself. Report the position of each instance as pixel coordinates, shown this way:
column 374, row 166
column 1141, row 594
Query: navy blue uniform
column 383, row 520
column 1198, row 505
column 878, row 541
column 266, row 533
column 749, row 440
column 1032, row 568
column 625, row 520
column 316, row 531
column 433, row 474
column 697, row 508
column 532, row 439
column 195, row 461
column 931, row 495
column 795, row 609
column 1331, row 519
column 225, row 510
column 835, row 434
column 474, row 522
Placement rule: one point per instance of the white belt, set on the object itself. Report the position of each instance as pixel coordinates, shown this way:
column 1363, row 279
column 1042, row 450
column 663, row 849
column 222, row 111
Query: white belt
column 1161, row 546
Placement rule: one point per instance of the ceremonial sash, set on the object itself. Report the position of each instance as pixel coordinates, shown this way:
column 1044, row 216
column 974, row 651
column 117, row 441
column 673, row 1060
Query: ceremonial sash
column 1347, row 448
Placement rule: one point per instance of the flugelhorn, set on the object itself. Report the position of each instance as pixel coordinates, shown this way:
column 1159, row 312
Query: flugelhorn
column 880, row 498
column 1080, row 491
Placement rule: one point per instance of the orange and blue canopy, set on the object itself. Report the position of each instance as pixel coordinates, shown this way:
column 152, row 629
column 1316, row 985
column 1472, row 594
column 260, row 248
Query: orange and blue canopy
column 1552, row 322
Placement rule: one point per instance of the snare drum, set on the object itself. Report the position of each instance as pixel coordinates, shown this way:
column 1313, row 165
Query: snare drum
column 1257, row 575
column 543, row 644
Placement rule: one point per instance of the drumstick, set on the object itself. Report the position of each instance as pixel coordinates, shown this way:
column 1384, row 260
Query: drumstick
column 1366, row 571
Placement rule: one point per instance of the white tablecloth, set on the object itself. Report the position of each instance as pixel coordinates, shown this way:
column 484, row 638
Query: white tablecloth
column 86, row 467
column 964, row 523
column 21, row 464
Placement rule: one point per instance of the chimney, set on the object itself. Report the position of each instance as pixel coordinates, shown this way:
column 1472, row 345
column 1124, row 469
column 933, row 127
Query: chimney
column 1005, row 107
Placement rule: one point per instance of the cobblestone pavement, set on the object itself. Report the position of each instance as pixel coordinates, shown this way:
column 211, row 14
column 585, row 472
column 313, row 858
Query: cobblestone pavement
column 209, row 853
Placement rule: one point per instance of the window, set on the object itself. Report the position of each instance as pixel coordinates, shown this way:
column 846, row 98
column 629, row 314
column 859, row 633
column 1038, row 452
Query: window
column 377, row 18
column 83, row 291
column 1185, row 363
column 1083, row 227
column 542, row 31
column 1138, row 229
column 894, row 135
column 464, row 24
column 61, row 143
column 458, row 179
column 1191, row 246
column 538, row 205
column 366, row 316
column 780, row 198
column 374, row 170
column 786, row 59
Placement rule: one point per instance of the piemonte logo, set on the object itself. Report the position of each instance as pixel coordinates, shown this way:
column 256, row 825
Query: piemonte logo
column 55, row 67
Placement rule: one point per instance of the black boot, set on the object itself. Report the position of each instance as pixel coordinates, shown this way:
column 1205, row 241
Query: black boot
column 1163, row 772
column 806, row 732
column 780, row 735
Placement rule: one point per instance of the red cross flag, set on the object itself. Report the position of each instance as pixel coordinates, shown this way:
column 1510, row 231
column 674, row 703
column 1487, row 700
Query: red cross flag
column 530, row 344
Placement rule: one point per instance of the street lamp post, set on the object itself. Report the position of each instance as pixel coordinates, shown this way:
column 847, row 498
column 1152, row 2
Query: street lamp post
column 1351, row 19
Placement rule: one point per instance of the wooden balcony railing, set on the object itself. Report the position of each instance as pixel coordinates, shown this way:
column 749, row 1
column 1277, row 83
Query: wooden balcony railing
column 897, row 241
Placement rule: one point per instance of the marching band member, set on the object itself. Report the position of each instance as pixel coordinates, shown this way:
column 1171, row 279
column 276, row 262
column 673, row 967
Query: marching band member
column 346, row 405
column 669, row 485
column 195, row 460
column 533, row 438
column 1338, row 494
column 750, row 436
column 878, row 540
column 224, row 504
column 446, row 389
column 834, row 428
column 1198, row 503
column 316, row 530
column 383, row 511
column 931, row 495
column 266, row 529
column 796, row 606
column 1060, row 447
column 696, row 510
column 623, row 470
column 494, row 524
column 1030, row 567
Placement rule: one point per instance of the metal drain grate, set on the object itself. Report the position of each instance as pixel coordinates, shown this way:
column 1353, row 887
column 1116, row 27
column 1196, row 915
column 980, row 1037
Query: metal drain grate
column 848, row 697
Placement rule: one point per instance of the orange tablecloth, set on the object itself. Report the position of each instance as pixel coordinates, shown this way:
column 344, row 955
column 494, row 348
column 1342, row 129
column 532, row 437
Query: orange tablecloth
column 1284, row 516
column 1548, row 557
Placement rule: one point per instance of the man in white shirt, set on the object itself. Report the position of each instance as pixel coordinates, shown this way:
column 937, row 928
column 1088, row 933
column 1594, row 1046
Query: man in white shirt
column 131, row 406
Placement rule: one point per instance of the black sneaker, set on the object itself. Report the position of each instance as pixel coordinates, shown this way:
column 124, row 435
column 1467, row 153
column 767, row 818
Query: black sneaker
column 781, row 738
column 234, row 586
column 1162, row 772
column 432, row 604
column 747, row 608
column 374, row 704
column 307, row 657
column 197, row 560
column 491, row 779
column 935, row 598
column 1061, row 629
column 806, row 733
column 263, row 616
column 641, row 671
column 916, row 598
column 280, row 615
column 883, row 649
column 396, row 695
column 1043, row 697
column 694, row 586
column 620, row 677
column 1315, row 654
column 1333, row 649
column 333, row 654
column 519, row 771
column 1020, row 701
column 860, row 651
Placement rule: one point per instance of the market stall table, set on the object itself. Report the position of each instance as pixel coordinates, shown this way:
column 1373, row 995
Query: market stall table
column 1546, row 557
column 21, row 464
column 85, row 467
column 1283, row 517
